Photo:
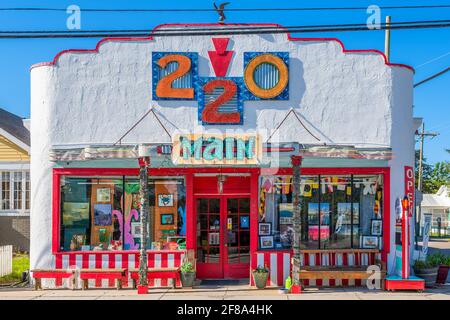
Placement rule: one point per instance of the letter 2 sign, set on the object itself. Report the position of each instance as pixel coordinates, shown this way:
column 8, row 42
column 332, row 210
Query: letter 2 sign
column 265, row 77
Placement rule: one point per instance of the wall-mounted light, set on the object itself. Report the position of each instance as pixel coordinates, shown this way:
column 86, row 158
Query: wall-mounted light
column 220, row 180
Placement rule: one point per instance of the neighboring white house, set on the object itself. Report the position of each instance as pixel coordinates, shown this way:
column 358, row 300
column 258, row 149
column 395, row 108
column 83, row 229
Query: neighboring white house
column 14, row 181
column 438, row 205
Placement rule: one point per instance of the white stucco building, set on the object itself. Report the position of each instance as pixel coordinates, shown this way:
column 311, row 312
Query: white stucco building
column 228, row 113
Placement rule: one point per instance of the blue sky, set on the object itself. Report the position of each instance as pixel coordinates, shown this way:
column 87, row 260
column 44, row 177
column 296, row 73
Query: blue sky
column 417, row 48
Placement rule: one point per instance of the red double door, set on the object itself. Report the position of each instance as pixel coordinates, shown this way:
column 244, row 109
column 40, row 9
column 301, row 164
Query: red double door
column 223, row 236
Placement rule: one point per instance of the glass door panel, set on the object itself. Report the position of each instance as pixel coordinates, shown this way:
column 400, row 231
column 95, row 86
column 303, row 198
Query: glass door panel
column 209, row 262
column 237, row 238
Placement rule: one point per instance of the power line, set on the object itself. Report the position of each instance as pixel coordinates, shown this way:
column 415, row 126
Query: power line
column 433, row 59
column 441, row 6
column 432, row 77
column 203, row 32
column 229, row 27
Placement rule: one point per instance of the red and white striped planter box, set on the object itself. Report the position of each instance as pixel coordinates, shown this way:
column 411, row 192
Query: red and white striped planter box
column 279, row 264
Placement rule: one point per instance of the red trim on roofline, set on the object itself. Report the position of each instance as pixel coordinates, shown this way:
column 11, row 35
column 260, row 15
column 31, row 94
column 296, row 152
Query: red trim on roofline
column 149, row 38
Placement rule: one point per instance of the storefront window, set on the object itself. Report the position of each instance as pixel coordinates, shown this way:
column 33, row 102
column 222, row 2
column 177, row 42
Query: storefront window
column 91, row 213
column 103, row 213
column 368, row 193
column 337, row 212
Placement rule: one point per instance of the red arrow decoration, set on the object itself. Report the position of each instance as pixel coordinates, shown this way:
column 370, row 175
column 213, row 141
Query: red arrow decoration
column 221, row 58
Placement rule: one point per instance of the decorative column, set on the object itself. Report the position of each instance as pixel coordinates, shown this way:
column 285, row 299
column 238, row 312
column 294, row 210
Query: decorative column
column 296, row 221
column 405, row 238
column 144, row 164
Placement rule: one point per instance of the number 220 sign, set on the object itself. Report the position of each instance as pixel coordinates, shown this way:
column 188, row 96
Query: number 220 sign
column 265, row 77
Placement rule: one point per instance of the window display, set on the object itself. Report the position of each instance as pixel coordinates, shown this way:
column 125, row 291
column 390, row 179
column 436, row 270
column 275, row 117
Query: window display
column 336, row 211
column 102, row 213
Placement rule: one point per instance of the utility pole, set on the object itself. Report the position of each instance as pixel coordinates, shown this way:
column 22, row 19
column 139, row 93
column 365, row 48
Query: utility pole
column 296, row 219
column 144, row 164
column 387, row 39
column 422, row 136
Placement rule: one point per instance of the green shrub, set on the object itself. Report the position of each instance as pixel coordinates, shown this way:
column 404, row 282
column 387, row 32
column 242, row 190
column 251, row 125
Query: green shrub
column 260, row 269
column 432, row 261
column 187, row 267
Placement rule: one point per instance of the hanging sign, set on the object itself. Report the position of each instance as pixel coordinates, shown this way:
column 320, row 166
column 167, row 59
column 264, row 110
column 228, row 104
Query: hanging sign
column 216, row 149
column 230, row 223
column 427, row 217
column 409, row 188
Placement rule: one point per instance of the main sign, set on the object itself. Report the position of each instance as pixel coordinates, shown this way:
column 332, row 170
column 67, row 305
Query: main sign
column 216, row 149
column 175, row 76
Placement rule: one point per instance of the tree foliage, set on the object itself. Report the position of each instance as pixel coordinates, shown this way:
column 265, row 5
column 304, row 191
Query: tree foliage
column 434, row 176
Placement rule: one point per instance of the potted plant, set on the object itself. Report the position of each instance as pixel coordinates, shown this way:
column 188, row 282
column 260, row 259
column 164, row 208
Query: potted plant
column 187, row 274
column 260, row 276
column 443, row 270
column 427, row 269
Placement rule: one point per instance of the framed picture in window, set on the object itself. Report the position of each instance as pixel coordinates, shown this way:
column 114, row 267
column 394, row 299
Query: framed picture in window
column 102, row 214
column 103, row 195
column 370, row 242
column 266, row 242
column 214, row 238
column 165, row 200
column 286, row 213
column 166, row 219
column 136, row 229
column 265, row 229
column 376, row 227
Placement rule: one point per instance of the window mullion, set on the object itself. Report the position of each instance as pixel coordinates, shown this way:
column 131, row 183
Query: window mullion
column 23, row 190
column 11, row 190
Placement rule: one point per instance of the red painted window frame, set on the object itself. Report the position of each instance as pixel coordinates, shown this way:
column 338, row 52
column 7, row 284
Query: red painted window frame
column 188, row 173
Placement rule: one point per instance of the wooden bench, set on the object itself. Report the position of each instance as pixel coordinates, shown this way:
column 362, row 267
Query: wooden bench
column 98, row 274
column 338, row 272
column 335, row 272
column 158, row 273
column 39, row 274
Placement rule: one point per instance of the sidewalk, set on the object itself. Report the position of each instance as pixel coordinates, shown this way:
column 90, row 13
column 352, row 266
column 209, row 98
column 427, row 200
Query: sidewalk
column 240, row 292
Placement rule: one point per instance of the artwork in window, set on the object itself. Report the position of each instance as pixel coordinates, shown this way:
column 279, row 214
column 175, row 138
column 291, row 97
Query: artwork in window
column 102, row 214
column 313, row 213
column 266, row 242
column 313, row 232
column 166, row 218
column 286, row 213
column 370, row 242
column 136, row 229
column 165, row 200
column 376, row 227
column 214, row 238
column 344, row 211
column 265, row 229
column 77, row 241
column 103, row 195
column 156, row 245
column 245, row 222
column 75, row 213
column 102, row 235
